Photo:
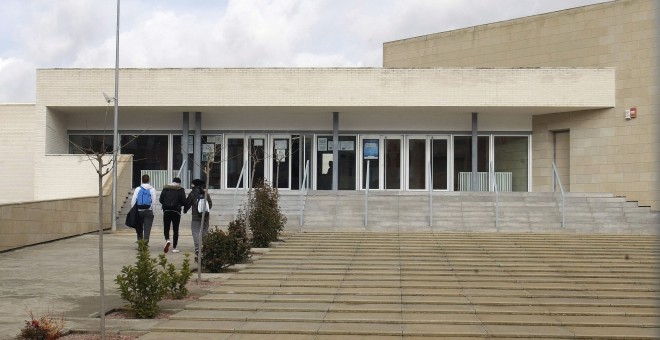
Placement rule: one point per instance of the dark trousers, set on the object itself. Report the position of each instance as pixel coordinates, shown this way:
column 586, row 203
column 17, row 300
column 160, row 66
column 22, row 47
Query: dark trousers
column 143, row 230
column 171, row 217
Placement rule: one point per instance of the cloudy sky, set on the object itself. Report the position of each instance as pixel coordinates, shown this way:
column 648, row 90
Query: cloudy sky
column 226, row 33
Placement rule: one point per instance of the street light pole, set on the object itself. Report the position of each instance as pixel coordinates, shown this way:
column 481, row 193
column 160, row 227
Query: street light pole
column 115, row 134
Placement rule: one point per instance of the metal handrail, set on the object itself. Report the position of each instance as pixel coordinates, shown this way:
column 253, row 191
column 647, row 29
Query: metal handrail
column 555, row 175
column 430, row 184
column 303, row 191
column 491, row 173
column 240, row 178
column 183, row 164
column 366, row 196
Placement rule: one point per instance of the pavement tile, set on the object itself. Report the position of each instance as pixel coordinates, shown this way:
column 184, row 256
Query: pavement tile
column 295, row 306
column 295, row 327
column 286, row 316
column 197, row 326
column 615, row 332
column 363, row 317
column 299, row 298
column 369, row 291
column 431, row 308
column 443, row 330
column 365, row 307
column 186, row 336
column 268, row 337
column 536, row 331
column 441, row 318
column 516, row 319
column 435, row 299
column 223, row 315
column 605, row 320
column 360, row 328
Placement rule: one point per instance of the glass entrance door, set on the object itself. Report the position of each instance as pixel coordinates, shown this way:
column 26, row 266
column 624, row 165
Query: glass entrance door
column 392, row 159
column 235, row 156
column 424, row 154
column 417, row 163
column 257, row 157
column 282, row 161
column 440, row 162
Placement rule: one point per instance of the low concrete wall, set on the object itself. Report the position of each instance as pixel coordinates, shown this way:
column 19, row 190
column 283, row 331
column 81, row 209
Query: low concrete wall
column 28, row 223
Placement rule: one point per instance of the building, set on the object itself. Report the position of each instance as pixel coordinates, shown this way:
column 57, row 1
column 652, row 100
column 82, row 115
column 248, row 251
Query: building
column 445, row 108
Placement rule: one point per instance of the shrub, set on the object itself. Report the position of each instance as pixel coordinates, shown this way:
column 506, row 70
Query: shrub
column 222, row 250
column 240, row 242
column 176, row 281
column 44, row 328
column 265, row 218
column 142, row 286
column 217, row 252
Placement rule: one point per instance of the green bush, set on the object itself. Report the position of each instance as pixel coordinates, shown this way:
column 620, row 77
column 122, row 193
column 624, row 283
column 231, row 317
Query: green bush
column 265, row 218
column 217, row 251
column 142, row 286
column 240, row 242
column 222, row 250
column 176, row 281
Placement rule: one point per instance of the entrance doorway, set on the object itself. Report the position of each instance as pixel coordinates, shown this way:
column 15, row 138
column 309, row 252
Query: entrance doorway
column 424, row 154
column 562, row 157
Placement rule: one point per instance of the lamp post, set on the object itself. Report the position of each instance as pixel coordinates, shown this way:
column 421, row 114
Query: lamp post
column 115, row 134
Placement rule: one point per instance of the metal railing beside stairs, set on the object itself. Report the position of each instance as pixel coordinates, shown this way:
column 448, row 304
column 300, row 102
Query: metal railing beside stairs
column 555, row 176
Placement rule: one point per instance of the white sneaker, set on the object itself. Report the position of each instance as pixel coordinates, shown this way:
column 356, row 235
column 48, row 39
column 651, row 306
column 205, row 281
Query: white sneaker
column 175, row 250
column 167, row 247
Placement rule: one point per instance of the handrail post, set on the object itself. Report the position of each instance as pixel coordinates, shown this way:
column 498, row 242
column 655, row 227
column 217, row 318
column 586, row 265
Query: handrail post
column 366, row 197
column 493, row 180
column 430, row 184
column 303, row 190
column 555, row 174
column 238, row 183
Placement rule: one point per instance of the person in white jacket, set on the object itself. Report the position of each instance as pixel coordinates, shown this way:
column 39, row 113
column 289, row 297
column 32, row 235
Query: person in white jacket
column 145, row 197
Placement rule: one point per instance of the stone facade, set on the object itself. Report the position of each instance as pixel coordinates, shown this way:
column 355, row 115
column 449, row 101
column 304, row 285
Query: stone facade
column 607, row 152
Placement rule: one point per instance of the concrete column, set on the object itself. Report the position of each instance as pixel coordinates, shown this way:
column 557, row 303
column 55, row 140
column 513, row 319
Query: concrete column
column 335, row 151
column 185, row 127
column 197, row 169
column 475, row 152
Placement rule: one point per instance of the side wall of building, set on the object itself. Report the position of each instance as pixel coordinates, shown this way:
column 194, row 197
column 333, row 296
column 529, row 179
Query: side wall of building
column 607, row 152
column 17, row 144
column 38, row 221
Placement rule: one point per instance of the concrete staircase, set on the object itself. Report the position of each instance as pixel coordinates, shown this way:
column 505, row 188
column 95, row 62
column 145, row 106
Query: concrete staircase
column 416, row 285
column 452, row 211
column 476, row 211
column 225, row 205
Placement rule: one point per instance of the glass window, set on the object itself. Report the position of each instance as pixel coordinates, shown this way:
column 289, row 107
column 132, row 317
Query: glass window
column 149, row 154
column 463, row 157
column 416, row 163
column 89, row 144
column 511, row 160
column 347, row 163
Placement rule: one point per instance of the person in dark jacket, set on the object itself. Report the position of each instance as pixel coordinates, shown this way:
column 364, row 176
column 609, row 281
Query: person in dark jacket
column 195, row 194
column 172, row 199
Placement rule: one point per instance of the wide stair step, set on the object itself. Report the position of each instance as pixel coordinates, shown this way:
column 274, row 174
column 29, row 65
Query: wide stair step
column 324, row 285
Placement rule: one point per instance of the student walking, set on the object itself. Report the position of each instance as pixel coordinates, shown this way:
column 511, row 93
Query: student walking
column 144, row 196
column 172, row 199
column 192, row 202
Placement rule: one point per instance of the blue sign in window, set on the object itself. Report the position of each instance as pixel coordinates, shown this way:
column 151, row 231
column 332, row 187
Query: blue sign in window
column 370, row 149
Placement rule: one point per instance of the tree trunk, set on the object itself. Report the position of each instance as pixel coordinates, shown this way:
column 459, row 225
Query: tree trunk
column 101, row 276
